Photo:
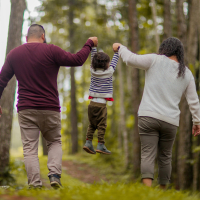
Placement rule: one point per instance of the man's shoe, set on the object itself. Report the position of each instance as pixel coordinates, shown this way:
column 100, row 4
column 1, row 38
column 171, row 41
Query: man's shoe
column 88, row 147
column 55, row 181
column 102, row 149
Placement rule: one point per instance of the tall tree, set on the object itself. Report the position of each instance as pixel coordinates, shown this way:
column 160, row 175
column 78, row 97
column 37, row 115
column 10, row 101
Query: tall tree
column 122, row 114
column 192, row 51
column 74, row 118
column 167, row 20
column 154, row 15
column 133, row 26
column 7, row 100
column 185, row 170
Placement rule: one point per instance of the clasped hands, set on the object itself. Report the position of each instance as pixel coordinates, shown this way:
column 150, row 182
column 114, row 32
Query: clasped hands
column 115, row 45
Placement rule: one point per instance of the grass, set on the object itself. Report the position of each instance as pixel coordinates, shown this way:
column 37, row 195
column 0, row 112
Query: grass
column 77, row 190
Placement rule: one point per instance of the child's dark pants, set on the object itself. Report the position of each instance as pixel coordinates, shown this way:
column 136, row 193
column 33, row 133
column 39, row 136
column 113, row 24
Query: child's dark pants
column 97, row 114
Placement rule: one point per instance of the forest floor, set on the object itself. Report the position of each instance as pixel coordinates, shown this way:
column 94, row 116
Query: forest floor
column 84, row 178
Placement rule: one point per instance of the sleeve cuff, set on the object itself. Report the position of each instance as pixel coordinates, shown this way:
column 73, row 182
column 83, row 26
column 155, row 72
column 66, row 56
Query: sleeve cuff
column 196, row 123
column 121, row 48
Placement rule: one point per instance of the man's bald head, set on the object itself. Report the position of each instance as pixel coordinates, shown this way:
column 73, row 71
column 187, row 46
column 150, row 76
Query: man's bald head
column 35, row 31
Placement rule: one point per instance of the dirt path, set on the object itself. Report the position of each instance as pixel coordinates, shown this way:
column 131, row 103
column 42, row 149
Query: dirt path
column 83, row 172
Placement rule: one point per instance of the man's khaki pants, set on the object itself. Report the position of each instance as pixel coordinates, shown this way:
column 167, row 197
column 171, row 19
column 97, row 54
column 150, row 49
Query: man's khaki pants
column 32, row 122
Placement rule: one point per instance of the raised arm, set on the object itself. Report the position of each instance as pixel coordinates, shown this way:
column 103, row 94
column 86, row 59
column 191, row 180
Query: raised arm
column 63, row 58
column 193, row 102
column 93, row 52
column 132, row 59
column 114, row 60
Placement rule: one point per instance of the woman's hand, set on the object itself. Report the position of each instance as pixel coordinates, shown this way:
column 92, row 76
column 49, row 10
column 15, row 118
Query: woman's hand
column 196, row 130
column 116, row 47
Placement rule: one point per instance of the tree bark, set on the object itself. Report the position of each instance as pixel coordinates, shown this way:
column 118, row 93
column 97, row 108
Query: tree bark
column 181, row 22
column 167, row 20
column 192, row 51
column 154, row 15
column 84, row 107
column 74, row 118
column 185, row 169
column 122, row 114
column 7, row 100
column 136, row 86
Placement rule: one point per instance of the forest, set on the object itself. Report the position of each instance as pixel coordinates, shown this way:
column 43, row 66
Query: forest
column 141, row 25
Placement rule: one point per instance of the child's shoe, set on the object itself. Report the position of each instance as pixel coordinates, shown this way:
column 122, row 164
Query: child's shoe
column 88, row 147
column 102, row 149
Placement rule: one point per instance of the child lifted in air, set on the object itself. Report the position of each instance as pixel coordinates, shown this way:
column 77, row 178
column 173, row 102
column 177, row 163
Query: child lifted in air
column 101, row 91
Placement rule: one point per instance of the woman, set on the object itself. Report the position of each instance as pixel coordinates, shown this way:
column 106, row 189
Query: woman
column 166, row 79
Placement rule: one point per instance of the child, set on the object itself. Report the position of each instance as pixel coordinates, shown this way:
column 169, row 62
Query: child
column 101, row 91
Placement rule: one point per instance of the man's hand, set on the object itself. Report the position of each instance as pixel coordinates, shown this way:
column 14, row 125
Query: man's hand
column 95, row 40
column 115, row 47
column 0, row 111
column 196, row 130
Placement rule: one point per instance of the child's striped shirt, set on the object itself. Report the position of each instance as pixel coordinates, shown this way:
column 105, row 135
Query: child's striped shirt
column 101, row 80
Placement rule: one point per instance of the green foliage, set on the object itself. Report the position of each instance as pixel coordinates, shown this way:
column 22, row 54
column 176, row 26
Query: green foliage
column 106, row 191
column 6, row 177
column 77, row 190
column 9, row 176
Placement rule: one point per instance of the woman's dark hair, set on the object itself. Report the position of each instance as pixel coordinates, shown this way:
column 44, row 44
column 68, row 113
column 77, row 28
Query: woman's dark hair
column 174, row 47
column 100, row 60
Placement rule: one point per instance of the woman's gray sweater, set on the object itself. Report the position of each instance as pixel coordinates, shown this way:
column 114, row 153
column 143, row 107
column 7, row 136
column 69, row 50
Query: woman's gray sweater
column 163, row 90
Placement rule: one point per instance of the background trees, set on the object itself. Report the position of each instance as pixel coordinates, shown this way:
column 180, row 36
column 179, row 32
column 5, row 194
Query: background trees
column 7, row 100
column 141, row 25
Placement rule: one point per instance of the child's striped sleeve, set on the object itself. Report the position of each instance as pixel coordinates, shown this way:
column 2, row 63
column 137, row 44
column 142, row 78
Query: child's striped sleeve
column 114, row 60
column 93, row 52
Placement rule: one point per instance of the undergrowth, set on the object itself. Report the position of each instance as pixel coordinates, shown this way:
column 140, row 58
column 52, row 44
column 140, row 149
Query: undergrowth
column 77, row 190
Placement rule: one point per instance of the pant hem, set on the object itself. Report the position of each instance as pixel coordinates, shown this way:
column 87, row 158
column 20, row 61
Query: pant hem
column 151, row 176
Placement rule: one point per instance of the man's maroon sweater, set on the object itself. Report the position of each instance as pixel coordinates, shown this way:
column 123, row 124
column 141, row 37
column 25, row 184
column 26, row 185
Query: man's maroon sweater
column 36, row 67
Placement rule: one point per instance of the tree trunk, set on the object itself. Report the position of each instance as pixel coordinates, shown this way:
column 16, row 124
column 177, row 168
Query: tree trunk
column 181, row 22
column 74, row 118
column 192, row 50
column 167, row 20
column 7, row 100
column 154, row 15
column 136, row 86
column 84, row 107
column 185, row 169
column 122, row 114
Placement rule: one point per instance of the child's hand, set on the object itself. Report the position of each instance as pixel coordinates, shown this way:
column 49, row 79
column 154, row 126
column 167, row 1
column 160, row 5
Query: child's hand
column 115, row 47
column 95, row 40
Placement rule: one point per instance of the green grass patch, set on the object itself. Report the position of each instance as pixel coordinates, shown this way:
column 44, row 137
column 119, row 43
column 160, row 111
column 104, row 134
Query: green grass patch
column 76, row 190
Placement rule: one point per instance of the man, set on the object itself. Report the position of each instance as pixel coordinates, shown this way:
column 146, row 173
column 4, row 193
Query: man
column 36, row 65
